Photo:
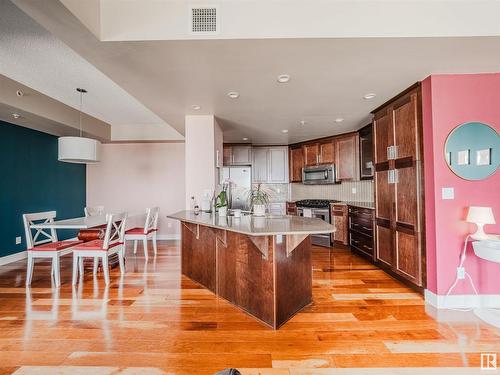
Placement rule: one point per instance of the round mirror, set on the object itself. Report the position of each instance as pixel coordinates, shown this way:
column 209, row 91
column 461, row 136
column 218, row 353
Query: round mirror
column 472, row 151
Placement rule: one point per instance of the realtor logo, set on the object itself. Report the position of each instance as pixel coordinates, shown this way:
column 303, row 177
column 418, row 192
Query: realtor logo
column 488, row 361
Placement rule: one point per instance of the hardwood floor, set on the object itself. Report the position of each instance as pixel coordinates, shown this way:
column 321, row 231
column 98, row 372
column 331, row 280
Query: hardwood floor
column 155, row 321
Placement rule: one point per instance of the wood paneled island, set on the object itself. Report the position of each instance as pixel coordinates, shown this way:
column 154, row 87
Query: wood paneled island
column 260, row 264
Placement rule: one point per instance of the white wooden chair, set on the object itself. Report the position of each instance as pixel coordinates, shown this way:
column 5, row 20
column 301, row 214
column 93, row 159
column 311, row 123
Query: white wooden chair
column 148, row 232
column 94, row 211
column 112, row 243
column 44, row 244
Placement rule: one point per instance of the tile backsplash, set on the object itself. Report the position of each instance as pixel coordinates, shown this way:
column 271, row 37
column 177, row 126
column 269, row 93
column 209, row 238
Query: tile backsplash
column 278, row 193
column 342, row 192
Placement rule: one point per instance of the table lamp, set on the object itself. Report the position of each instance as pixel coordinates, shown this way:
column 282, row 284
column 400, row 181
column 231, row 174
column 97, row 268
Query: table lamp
column 480, row 216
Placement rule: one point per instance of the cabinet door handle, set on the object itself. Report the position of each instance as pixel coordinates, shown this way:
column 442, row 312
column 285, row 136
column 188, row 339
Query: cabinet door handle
column 390, row 176
column 366, row 228
column 389, row 152
column 395, row 152
column 396, row 176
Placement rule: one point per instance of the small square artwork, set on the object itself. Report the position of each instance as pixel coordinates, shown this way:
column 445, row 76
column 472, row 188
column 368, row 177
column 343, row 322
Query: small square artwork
column 483, row 157
column 448, row 158
column 463, row 157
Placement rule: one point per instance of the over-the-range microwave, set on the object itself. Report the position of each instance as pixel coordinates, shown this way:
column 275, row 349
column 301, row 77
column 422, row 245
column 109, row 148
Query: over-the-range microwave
column 318, row 175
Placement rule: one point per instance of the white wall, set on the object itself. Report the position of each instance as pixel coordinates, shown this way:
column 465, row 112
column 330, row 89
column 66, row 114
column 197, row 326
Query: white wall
column 131, row 177
column 203, row 137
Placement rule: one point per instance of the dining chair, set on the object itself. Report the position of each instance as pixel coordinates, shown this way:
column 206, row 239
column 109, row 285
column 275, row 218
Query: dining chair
column 112, row 243
column 93, row 211
column 145, row 233
column 43, row 243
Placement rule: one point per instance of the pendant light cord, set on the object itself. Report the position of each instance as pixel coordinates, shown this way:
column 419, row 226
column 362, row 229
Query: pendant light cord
column 81, row 101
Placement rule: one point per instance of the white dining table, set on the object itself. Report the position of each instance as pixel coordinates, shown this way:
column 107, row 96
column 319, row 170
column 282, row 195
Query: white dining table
column 75, row 223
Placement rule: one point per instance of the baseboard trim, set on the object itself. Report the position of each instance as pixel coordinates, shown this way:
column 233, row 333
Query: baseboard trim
column 13, row 257
column 168, row 236
column 462, row 301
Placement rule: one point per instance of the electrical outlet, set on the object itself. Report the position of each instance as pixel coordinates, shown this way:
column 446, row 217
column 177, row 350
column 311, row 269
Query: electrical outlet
column 354, row 190
column 460, row 273
column 448, row 193
column 169, row 225
column 18, row 240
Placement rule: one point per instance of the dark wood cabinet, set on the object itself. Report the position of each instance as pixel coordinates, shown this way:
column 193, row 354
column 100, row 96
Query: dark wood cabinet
column 347, row 157
column 296, row 163
column 326, row 152
column 291, row 208
column 366, row 168
column 311, row 154
column 361, row 228
column 339, row 218
column 398, row 186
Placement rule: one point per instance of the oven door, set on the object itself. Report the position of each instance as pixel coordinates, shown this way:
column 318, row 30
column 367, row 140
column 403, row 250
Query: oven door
column 322, row 239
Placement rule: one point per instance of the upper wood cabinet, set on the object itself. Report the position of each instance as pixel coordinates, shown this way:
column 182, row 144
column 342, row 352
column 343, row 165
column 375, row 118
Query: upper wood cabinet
column 270, row 164
column 237, row 155
column 327, row 152
column 366, row 167
column 347, row 157
column 296, row 161
column 311, row 154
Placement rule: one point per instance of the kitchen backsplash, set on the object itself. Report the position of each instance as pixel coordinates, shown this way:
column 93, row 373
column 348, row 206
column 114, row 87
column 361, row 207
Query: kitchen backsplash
column 278, row 192
column 341, row 192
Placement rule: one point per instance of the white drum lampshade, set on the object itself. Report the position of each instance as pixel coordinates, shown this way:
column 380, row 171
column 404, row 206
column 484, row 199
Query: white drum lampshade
column 480, row 216
column 78, row 150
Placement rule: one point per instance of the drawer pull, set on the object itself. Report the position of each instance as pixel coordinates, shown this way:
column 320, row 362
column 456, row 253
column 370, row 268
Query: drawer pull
column 366, row 228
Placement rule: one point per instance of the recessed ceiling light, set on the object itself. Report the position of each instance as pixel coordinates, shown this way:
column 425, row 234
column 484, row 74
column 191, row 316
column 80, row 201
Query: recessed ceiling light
column 233, row 94
column 369, row 96
column 196, row 107
column 340, row 119
column 303, row 122
column 16, row 115
column 283, row 78
column 284, row 131
column 245, row 138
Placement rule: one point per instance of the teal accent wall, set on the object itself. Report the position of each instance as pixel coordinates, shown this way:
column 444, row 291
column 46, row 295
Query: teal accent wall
column 33, row 180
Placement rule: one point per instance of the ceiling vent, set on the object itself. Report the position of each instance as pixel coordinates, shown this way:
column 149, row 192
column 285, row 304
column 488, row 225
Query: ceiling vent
column 204, row 20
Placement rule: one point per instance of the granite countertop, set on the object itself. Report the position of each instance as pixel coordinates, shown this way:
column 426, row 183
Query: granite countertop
column 369, row 205
column 268, row 225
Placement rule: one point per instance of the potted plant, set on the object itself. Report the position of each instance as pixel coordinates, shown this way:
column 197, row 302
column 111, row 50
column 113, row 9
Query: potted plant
column 221, row 202
column 258, row 200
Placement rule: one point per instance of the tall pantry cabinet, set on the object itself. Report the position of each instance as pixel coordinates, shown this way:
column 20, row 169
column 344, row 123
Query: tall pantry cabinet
column 399, row 190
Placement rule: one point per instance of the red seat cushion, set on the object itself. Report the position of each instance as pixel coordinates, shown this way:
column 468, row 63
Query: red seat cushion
column 56, row 246
column 96, row 245
column 139, row 230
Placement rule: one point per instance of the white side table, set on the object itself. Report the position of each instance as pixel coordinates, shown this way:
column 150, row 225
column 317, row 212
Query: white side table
column 488, row 250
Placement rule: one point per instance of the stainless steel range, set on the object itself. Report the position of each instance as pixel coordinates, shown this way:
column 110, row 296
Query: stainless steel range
column 319, row 208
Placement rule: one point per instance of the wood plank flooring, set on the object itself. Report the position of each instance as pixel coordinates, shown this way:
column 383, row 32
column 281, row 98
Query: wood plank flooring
column 155, row 321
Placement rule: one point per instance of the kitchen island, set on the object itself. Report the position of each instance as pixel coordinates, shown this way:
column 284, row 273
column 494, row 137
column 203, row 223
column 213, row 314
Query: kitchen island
column 260, row 264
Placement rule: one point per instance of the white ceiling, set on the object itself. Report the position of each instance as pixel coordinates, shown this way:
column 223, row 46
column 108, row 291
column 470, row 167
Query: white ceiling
column 329, row 76
column 34, row 57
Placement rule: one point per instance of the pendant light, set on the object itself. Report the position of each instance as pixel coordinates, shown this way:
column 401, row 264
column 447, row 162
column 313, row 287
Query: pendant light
column 79, row 150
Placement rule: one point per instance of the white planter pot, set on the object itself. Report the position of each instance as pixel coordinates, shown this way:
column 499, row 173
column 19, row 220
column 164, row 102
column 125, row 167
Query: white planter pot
column 223, row 211
column 259, row 210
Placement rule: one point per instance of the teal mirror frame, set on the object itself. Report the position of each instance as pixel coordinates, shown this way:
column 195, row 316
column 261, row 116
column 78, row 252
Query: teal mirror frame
column 472, row 151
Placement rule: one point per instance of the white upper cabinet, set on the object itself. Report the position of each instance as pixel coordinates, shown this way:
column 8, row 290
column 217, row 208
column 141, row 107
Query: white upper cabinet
column 242, row 155
column 270, row 164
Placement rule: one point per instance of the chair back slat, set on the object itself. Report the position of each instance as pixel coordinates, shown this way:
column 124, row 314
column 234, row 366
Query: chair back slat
column 115, row 229
column 35, row 237
column 94, row 211
column 151, row 219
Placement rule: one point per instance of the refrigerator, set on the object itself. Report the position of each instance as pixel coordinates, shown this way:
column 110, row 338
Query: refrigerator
column 241, row 183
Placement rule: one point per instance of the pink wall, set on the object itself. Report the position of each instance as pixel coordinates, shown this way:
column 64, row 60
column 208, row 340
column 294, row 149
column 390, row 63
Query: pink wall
column 448, row 101
column 131, row 177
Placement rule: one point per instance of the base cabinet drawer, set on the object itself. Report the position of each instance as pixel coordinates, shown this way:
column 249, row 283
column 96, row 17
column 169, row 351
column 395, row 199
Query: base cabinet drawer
column 361, row 242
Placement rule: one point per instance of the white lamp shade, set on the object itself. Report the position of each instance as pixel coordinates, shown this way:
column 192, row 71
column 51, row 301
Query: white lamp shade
column 480, row 215
column 78, row 150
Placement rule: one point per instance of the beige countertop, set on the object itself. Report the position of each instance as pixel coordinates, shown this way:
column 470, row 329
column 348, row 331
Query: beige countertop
column 268, row 225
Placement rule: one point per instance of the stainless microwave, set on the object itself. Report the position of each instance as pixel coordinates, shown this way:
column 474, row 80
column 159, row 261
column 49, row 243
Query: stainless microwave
column 317, row 175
